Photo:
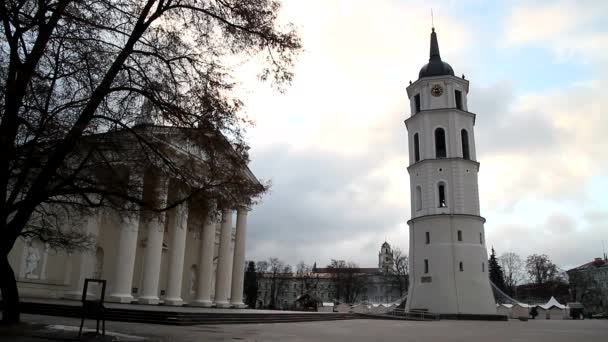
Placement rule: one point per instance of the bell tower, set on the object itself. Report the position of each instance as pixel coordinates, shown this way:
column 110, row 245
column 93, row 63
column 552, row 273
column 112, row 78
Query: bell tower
column 385, row 258
column 448, row 257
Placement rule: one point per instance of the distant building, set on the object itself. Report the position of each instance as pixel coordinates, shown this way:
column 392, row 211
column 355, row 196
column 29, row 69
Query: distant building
column 374, row 285
column 589, row 285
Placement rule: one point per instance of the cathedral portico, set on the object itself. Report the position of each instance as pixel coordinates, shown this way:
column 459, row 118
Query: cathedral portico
column 127, row 246
column 238, row 263
column 174, row 257
column 224, row 267
column 155, row 223
column 205, row 264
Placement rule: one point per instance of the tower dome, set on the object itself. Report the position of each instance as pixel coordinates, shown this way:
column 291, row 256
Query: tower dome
column 435, row 66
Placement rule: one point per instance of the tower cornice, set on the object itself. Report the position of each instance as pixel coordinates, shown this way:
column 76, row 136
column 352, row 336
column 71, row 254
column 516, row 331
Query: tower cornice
column 426, row 161
column 434, row 79
column 440, row 110
column 432, row 216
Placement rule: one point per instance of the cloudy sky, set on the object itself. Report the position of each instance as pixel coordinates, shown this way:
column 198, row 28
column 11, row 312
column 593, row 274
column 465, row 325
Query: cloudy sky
column 334, row 144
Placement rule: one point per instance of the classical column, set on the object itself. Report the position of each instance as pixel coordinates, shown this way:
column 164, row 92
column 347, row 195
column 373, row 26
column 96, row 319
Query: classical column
column 222, row 281
column 205, row 265
column 127, row 246
column 85, row 266
column 155, row 224
column 178, row 227
column 238, row 263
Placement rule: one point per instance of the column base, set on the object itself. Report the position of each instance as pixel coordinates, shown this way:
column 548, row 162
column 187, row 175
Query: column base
column 173, row 301
column 150, row 300
column 120, row 298
column 201, row 303
column 222, row 304
column 240, row 305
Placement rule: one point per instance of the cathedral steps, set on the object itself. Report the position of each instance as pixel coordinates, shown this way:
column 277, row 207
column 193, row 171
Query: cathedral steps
column 183, row 318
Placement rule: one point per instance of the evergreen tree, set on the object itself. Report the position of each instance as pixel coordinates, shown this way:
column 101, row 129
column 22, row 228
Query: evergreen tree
column 496, row 275
column 251, row 285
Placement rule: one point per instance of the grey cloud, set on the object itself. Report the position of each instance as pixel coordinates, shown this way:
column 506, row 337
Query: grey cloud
column 499, row 129
column 317, row 199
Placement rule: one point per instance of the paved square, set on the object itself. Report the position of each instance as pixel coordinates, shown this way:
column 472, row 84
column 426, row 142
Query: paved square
column 362, row 330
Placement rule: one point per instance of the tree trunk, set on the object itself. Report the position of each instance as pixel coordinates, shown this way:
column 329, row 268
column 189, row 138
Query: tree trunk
column 10, row 294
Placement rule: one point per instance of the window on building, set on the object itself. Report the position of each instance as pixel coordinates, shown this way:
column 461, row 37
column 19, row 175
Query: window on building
column 416, row 147
column 461, row 267
column 481, row 238
column 418, row 198
column 483, row 267
column 440, row 145
column 441, row 190
column 460, row 235
column 464, row 135
column 426, row 265
column 428, row 237
column 417, row 102
column 458, row 98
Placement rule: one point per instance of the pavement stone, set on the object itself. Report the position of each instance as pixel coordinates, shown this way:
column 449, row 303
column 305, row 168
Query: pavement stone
column 359, row 330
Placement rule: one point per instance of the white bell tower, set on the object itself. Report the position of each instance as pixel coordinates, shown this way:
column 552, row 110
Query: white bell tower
column 448, row 257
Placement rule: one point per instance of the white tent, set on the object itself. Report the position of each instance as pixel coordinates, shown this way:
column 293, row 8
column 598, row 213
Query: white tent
column 361, row 308
column 379, row 309
column 520, row 310
column 343, row 308
column 504, row 309
column 554, row 310
column 326, row 307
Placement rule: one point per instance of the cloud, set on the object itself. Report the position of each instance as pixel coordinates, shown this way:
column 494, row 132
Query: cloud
column 571, row 28
column 334, row 145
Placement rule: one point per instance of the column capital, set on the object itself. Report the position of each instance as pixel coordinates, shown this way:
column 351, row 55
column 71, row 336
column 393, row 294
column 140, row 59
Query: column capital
column 242, row 207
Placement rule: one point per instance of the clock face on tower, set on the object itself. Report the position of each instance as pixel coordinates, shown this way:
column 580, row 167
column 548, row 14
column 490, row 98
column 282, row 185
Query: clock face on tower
column 436, row 90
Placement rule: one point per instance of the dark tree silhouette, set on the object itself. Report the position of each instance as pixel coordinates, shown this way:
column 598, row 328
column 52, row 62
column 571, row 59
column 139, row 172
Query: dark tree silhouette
column 251, row 285
column 495, row 271
column 348, row 280
column 540, row 269
column 72, row 70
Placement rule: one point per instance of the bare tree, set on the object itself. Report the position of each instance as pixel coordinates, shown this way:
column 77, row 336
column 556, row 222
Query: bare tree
column 308, row 280
column 401, row 273
column 74, row 74
column 348, row 281
column 540, row 269
column 513, row 270
column 279, row 274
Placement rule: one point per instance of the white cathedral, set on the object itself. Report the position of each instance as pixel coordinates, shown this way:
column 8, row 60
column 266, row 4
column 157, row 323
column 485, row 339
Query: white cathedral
column 448, row 258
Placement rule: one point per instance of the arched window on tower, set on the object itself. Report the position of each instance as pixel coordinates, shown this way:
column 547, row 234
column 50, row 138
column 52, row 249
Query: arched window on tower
column 440, row 145
column 416, row 147
column 418, row 198
column 441, row 195
column 460, row 235
column 458, row 98
column 461, row 267
column 464, row 135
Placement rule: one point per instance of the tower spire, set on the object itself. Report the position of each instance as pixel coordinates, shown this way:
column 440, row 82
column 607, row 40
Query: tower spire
column 434, row 53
